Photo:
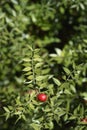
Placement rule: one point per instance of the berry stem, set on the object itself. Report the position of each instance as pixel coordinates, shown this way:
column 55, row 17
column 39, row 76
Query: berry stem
column 33, row 65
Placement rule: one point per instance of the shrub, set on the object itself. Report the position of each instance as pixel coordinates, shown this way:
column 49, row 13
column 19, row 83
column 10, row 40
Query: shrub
column 43, row 50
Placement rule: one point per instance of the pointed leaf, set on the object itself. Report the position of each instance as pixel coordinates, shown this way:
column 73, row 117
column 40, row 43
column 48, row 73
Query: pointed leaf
column 67, row 71
column 56, row 81
column 27, row 69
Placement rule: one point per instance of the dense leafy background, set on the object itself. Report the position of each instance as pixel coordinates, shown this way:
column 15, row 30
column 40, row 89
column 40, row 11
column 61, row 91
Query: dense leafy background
column 57, row 29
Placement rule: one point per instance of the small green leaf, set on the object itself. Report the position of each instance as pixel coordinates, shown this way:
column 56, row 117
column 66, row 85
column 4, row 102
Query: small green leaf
column 85, row 40
column 6, row 109
column 7, row 116
column 35, row 126
column 72, row 117
column 23, row 117
column 40, row 78
column 38, row 65
column 67, row 92
column 30, row 77
column 45, row 71
column 53, row 55
column 26, row 59
column 56, row 81
column 61, row 113
column 31, row 106
column 30, row 47
column 17, row 113
column 37, row 59
column 27, row 69
column 49, row 125
column 14, row 1
column 64, row 85
column 67, row 71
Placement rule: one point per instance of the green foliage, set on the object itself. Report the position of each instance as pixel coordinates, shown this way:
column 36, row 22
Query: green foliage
column 43, row 49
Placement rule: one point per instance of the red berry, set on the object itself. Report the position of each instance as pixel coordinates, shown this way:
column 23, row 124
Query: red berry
column 84, row 120
column 42, row 97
